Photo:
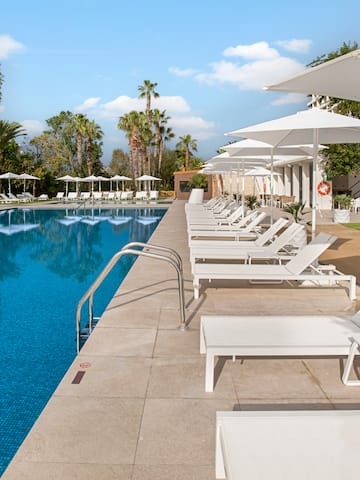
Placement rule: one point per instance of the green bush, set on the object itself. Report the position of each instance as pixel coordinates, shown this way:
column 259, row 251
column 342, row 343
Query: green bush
column 199, row 180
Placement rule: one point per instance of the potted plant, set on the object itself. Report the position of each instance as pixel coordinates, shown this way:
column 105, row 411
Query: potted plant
column 299, row 214
column 251, row 202
column 342, row 205
column 198, row 184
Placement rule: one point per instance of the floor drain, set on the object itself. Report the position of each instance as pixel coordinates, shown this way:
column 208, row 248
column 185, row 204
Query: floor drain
column 78, row 377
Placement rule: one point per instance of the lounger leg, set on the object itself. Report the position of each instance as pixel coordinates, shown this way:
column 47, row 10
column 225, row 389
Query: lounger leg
column 209, row 372
column 196, row 285
column 219, row 460
column 349, row 363
column 352, row 289
column 202, row 340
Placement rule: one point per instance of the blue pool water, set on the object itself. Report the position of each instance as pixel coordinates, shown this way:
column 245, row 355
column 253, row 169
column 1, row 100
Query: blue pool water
column 48, row 259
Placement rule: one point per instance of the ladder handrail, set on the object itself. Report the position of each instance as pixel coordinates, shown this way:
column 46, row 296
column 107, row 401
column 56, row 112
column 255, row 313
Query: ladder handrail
column 113, row 261
column 149, row 246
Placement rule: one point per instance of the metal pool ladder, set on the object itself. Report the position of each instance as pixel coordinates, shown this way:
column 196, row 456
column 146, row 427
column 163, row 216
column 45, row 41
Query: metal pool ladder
column 151, row 251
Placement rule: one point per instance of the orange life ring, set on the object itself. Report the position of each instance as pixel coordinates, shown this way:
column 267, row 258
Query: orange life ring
column 324, row 188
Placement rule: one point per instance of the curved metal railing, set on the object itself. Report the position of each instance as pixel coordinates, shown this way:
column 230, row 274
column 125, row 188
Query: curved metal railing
column 172, row 257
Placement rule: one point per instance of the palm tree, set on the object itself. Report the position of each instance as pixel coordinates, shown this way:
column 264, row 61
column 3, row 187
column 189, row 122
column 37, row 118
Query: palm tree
column 93, row 135
column 8, row 132
column 80, row 123
column 146, row 91
column 130, row 123
column 165, row 135
column 158, row 119
column 186, row 142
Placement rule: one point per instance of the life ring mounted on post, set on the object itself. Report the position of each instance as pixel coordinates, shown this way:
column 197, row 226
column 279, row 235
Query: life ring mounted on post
column 324, row 188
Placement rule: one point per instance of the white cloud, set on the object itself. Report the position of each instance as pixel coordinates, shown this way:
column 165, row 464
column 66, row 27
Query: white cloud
column 8, row 46
column 199, row 128
column 182, row 119
column 289, row 99
column 88, row 104
column 253, row 75
column 182, row 72
column 2, row 108
column 297, row 46
column 256, row 51
column 124, row 104
column 32, row 127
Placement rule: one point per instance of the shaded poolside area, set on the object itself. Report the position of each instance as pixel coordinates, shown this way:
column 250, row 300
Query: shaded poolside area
column 140, row 411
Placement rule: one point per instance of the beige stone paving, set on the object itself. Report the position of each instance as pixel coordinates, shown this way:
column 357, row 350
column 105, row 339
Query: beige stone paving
column 140, row 411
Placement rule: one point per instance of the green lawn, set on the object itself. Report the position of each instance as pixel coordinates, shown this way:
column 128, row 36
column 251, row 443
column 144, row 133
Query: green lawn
column 356, row 226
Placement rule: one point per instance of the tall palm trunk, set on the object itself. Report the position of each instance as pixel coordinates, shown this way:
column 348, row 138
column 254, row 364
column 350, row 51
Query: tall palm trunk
column 79, row 150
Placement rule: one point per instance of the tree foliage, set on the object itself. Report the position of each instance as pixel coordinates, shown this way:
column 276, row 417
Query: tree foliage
column 120, row 163
column 341, row 159
column 72, row 144
column 69, row 139
column 148, row 133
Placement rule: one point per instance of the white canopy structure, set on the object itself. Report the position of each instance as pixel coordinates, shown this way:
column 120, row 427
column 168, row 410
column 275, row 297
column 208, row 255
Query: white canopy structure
column 337, row 78
column 309, row 126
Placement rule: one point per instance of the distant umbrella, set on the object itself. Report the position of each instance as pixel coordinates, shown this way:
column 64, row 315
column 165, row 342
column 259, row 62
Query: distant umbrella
column 121, row 178
column 27, row 176
column 9, row 176
column 102, row 179
column 147, row 179
column 67, row 179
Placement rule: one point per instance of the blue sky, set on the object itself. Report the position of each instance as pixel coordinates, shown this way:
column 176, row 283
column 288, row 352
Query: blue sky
column 210, row 60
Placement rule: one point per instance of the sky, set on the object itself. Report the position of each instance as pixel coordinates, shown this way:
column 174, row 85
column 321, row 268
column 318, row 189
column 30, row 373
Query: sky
column 210, row 60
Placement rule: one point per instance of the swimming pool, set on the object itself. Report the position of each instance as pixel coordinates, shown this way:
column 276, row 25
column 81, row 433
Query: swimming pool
column 48, row 259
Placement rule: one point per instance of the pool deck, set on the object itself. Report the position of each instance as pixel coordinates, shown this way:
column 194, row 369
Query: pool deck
column 140, row 411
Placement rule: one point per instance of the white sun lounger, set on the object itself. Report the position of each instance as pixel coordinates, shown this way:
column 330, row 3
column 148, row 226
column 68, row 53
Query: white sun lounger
column 223, row 249
column 206, row 223
column 230, row 216
column 296, row 445
column 264, row 237
column 266, row 336
column 299, row 268
column 72, row 196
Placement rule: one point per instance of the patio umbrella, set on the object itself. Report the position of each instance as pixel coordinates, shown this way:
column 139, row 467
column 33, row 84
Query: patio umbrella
column 250, row 148
column 27, row 176
column 147, row 179
column 243, row 162
column 67, row 179
column 102, row 179
column 92, row 179
column 260, row 172
column 336, row 78
column 311, row 126
column 121, row 178
column 9, row 176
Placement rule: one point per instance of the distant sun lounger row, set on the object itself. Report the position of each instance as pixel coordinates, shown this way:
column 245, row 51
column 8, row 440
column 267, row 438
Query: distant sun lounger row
column 108, row 196
column 21, row 197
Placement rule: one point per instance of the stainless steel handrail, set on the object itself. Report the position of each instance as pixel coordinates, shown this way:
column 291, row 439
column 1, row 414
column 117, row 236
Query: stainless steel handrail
column 148, row 246
column 89, row 295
